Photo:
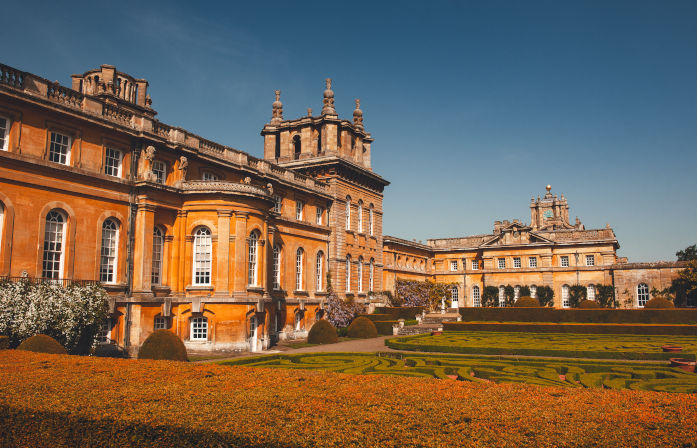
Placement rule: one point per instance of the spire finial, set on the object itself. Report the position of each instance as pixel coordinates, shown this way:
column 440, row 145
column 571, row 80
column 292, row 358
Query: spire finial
column 328, row 102
column 358, row 116
column 277, row 109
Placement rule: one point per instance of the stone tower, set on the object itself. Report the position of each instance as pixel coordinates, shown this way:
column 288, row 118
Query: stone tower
column 337, row 151
column 551, row 213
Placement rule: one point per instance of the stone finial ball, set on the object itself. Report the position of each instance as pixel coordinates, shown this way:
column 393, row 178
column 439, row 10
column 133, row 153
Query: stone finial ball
column 549, row 187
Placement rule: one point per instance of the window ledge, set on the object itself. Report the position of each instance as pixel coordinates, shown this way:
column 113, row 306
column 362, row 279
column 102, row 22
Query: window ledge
column 258, row 289
column 114, row 287
column 301, row 292
column 321, row 293
column 199, row 288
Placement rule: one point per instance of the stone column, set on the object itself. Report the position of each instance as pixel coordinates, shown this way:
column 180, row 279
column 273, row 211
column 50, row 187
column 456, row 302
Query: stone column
column 223, row 254
column 240, row 276
column 142, row 252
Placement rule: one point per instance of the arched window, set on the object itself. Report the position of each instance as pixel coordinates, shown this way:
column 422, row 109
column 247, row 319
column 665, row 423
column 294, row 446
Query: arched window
column 299, row 258
column 502, row 296
column 348, row 273
column 54, row 250
column 319, row 271
column 642, row 294
column 199, row 328
column 533, row 291
column 360, row 274
column 516, row 292
column 297, row 147
column 277, row 267
column 298, row 321
column 360, row 216
column 203, row 256
column 371, row 275
column 370, row 220
column 565, row 296
column 454, row 293
column 476, row 296
column 590, row 292
column 348, row 212
column 158, row 242
column 252, row 249
column 110, row 239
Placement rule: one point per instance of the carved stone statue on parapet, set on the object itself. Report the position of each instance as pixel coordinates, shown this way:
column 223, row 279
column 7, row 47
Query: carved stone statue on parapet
column 145, row 168
column 182, row 168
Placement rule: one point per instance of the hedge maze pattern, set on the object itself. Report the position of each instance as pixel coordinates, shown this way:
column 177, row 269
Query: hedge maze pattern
column 476, row 369
column 550, row 344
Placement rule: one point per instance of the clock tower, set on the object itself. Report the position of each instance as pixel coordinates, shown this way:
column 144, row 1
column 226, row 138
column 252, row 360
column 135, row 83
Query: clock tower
column 551, row 213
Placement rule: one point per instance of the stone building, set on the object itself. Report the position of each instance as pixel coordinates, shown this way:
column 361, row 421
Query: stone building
column 226, row 250
column 550, row 251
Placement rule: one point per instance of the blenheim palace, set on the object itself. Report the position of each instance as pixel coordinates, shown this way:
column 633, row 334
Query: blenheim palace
column 230, row 251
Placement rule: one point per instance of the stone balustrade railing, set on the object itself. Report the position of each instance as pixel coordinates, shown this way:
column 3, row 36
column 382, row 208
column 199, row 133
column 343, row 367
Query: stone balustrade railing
column 64, row 95
column 117, row 114
column 11, row 77
column 203, row 186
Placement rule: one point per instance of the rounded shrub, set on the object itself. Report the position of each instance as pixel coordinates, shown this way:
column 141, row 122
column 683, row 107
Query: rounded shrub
column 659, row 302
column 362, row 328
column 527, row 302
column 322, row 332
column 41, row 343
column 589, row 304
column 163, row 344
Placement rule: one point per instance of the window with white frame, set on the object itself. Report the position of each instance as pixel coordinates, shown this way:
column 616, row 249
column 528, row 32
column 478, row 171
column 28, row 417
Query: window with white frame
column 590, row 292
column 112, row 162
column 642, row 294
column 532, row 262
column 299, row 259
column 348, row 212
column 160, row 170
column 54, row 250
column 516, row 292
column 199, row 329
column 564, row 261
column 453, row 265
column 475, row 265
column 298, row 321
column 104, row 332
column 318, row 215
column 59, row 149
column 4, row 133
column 533, row 291
column 203, row 256
column 360, row 216
column 319, row 272
column 348, row 273
column 476, row 296
column 371, row 275
column 590, row 260
column 454, row 293
column 371, row 222
column 208, row 176
column 502, row 296
column 299, row 209
column 252, row 259
column 277, row 267
column 502, row 263
column 160, row 323
column 565, row 296
column 360, row 274
column 110, row 238
column 158, row 243
column 277, row 202
column 516, row 262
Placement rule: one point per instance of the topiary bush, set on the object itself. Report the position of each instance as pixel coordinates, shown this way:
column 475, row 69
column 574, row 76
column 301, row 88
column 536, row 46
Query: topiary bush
column 163, row 344
column 362, row 328
column 659, row 302
column 526, row 302
column 589, row 304
column 4, row 342
column 322, row 332
column 40, row 343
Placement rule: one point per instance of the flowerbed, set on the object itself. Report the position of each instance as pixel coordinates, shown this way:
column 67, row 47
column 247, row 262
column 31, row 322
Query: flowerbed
column 74, row 401
column 548, row 344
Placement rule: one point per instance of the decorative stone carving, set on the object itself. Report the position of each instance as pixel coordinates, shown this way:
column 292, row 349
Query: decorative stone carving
column 270, row 188
column 328, row 102
column 150, row 153
column 277, row 109
column 183, row 166
column 247, row 180
column 358, row 116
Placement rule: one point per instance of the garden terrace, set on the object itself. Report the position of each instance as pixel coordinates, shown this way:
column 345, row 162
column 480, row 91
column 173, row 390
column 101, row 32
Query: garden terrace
column 549, row 344
column 161, row 403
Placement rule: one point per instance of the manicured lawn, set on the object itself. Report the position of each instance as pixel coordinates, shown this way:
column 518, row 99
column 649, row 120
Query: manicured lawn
column 622, row 346
column 67, row 401
column 589, row 374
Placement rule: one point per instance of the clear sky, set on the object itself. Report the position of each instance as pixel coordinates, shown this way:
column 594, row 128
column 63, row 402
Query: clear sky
column 474, row 106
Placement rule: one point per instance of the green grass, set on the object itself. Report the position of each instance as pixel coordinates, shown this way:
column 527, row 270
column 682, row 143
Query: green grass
column 544, row 372
column 602, row 346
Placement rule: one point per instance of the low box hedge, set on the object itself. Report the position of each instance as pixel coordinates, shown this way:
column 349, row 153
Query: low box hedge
column 401, row 312
column 576, row 315
column 377, row 317
column 546, row 327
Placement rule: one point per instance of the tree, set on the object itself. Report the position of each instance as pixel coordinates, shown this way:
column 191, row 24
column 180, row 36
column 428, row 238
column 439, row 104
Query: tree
column 524, row 291
column 509, row 295
column 490, row 296
column 605, row 296
column 689, row 253
column 340, row 312
column 545, row 295
column 72, row 315
column 577, row 294
column 684, row 288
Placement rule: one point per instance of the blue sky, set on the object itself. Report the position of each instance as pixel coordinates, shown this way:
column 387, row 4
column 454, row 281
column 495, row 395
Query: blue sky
column 474, row 106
